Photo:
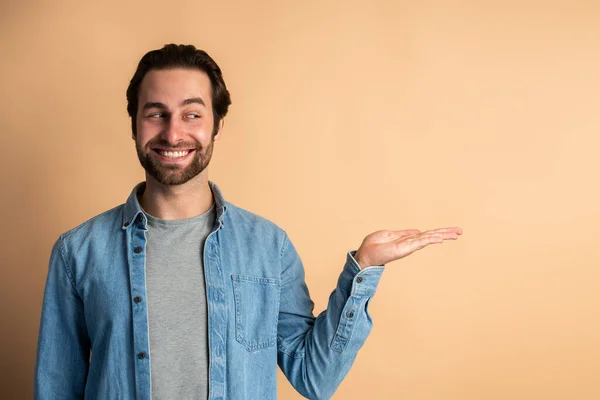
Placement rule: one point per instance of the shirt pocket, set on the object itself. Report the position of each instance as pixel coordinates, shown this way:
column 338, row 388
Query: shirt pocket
column 256, row 311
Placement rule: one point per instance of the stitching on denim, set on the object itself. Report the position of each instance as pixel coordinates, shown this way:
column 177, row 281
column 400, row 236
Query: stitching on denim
column 344, row 329
column 63, row 253
column 239, row 334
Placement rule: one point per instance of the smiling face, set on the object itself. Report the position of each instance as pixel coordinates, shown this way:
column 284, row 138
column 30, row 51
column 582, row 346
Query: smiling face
column 175, row 125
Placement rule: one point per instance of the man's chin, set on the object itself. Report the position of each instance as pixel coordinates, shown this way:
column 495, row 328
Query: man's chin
column 171, row 174
column 172, row 178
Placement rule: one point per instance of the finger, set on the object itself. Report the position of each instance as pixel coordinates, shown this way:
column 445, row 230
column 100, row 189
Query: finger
column 409, row 236
column 454, row 229
column 426, row 238
column 445, row 235
column 418, row 243
column 449, row 235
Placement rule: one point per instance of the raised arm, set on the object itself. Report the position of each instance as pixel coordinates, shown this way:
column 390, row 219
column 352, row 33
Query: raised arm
column 316, row 354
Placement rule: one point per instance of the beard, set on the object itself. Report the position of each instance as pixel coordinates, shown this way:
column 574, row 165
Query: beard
column 170, row 174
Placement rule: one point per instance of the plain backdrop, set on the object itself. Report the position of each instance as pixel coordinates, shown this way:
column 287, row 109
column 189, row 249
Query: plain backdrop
column 347, row 117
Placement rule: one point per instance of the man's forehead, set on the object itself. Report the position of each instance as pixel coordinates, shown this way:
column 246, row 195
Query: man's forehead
column 176, row 82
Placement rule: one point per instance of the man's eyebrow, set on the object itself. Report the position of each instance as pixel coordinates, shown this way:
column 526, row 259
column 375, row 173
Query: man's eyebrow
column 196, row 100
column 153, row 104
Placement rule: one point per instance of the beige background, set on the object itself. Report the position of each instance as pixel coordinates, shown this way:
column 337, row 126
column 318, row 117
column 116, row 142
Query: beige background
column 347, row 117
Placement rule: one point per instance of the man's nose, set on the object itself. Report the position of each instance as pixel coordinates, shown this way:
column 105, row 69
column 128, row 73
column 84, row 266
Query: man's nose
column 173, row 132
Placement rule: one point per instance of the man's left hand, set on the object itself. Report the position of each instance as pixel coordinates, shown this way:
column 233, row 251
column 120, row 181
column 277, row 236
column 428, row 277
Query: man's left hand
column 382, row 247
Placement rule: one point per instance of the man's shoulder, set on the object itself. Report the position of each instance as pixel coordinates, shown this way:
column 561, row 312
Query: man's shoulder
column 249, row 220
column 99, row 225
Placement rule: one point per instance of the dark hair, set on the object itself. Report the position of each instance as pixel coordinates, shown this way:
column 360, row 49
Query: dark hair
column 180, row 56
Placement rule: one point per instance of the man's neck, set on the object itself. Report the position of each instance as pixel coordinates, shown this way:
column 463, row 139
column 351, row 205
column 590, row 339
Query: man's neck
column 171, row 202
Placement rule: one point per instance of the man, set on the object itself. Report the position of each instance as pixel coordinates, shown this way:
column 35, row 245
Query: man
column 178, row 294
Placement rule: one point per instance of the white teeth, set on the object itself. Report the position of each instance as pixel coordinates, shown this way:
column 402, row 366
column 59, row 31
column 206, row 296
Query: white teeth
column 173, row 154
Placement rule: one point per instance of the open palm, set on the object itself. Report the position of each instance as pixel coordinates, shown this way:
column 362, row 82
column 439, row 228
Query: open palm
column 382, row 247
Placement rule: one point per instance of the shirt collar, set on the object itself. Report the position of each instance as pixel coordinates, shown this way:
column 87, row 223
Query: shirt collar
column 133, row 211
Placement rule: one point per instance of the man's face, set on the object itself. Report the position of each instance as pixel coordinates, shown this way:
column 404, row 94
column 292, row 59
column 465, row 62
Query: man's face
column 175, row 123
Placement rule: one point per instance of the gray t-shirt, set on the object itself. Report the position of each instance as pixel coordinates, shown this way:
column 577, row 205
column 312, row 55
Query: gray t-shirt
column 177, row 310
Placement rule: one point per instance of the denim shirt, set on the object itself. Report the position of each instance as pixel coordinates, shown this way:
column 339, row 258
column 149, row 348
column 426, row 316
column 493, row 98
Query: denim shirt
column 93, row 339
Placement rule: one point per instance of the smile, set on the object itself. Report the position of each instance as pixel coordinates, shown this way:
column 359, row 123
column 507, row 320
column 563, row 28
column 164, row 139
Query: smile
column 173, row 154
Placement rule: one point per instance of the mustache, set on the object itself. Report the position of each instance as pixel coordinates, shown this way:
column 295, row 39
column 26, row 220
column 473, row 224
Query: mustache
column 179, row 145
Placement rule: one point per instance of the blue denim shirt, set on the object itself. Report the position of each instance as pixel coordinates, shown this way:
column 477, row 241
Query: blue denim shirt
column 93, row 339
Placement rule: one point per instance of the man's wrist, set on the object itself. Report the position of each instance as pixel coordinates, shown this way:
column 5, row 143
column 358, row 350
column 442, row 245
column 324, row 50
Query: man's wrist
column 361, row 263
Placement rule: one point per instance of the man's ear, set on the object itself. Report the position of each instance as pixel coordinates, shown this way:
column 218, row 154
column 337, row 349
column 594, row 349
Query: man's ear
column 220, row 129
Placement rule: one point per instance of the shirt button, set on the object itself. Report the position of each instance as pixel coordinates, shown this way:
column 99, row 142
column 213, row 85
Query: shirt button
column 137, row 250
column 141, row 355
column 350, row 314
column 137, row 299
column 139, row 218
column 359, row 279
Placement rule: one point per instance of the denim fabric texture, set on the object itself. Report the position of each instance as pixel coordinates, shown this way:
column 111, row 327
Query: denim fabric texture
column 93, row 339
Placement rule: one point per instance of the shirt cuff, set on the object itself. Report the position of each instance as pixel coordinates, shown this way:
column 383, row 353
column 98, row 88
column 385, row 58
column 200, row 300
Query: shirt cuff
column 351, row 255
column 357, row 281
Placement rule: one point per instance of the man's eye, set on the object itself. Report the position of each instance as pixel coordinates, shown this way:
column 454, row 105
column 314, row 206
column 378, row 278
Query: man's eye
column 156, row 115
column 192, row 116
